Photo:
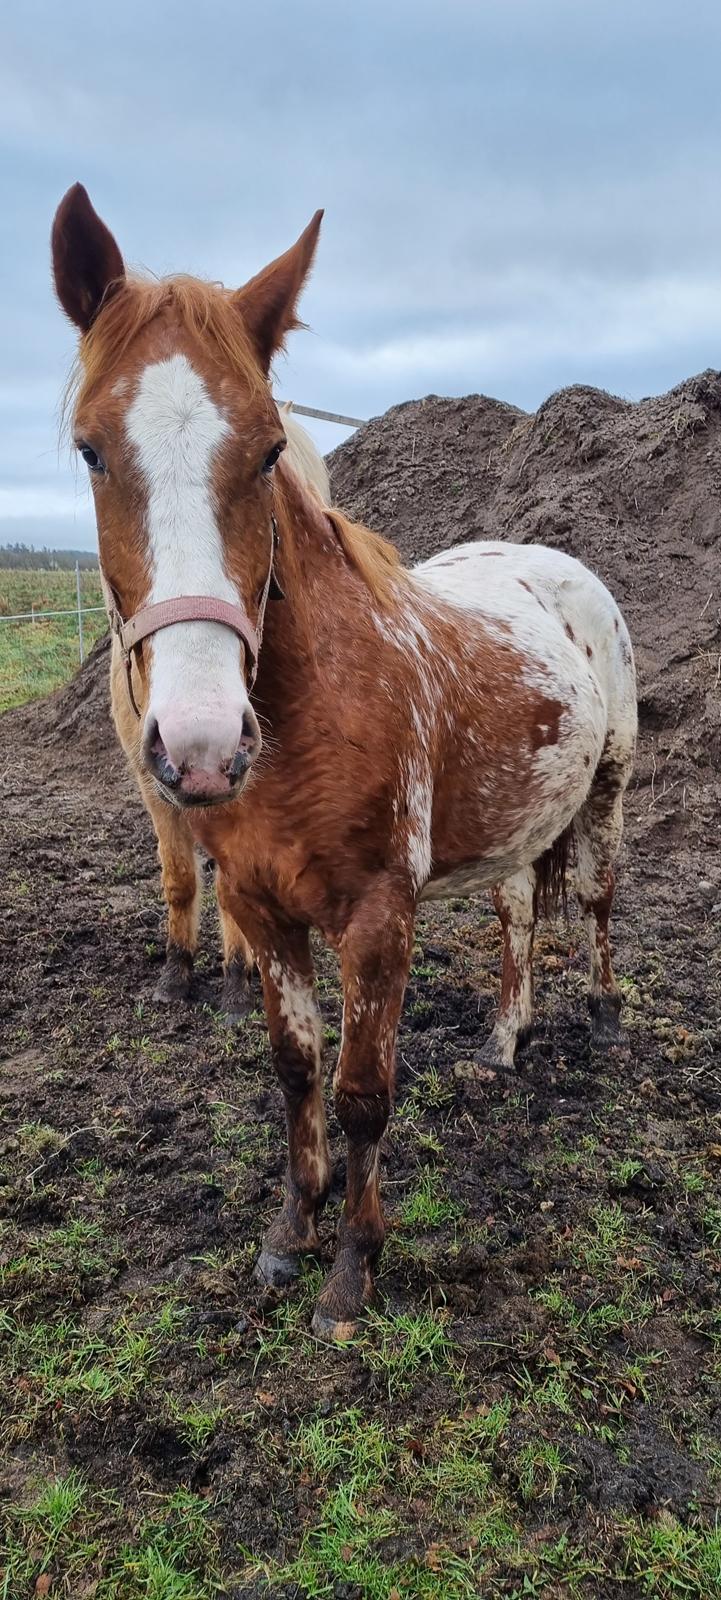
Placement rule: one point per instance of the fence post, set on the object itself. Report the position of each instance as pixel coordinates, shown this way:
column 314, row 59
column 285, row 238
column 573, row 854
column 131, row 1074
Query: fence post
column 80, row 613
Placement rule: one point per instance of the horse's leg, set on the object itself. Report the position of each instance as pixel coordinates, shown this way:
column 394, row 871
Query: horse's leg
column 286, row 969
column 598, row 828
column 238, row 962
column 515, row 904
column 376, row 951
column 183, row 894
column 179, row 868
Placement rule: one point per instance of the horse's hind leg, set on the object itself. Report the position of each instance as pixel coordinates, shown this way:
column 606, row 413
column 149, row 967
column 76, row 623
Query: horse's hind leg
column 598, row 828
column 515, row 903
column 238, row 962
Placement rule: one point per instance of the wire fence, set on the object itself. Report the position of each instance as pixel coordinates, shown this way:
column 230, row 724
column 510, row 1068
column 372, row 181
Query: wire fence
column 79, row 611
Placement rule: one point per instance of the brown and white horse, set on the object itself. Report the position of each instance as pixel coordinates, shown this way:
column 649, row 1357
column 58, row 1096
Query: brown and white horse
column 429, row 733
column 179, row 865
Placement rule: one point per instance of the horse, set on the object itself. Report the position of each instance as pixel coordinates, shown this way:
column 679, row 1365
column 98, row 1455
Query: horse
column 459, row 727
column 179, row 866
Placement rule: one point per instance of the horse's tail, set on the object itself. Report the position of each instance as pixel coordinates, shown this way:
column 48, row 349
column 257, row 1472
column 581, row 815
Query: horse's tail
column 552, row 873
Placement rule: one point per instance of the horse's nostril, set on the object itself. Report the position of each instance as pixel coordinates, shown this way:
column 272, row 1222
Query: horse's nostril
column 250, row 735
column 167, row 773
column 239, row 765
column 157, row 758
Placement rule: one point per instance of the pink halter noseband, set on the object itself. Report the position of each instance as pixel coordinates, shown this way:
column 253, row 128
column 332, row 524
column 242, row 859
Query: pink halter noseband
column 196, row 608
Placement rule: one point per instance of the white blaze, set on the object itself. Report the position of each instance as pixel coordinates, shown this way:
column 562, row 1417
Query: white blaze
column 197, row 691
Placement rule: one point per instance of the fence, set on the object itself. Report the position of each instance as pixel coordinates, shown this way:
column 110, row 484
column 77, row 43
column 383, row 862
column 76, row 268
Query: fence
column 77, row 610
column 81, row 611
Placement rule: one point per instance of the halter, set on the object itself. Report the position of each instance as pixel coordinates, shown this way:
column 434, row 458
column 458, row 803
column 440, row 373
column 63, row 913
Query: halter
column 196, row 608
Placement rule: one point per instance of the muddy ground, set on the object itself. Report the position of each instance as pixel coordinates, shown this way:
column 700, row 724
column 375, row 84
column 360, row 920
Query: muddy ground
column 534, row 1409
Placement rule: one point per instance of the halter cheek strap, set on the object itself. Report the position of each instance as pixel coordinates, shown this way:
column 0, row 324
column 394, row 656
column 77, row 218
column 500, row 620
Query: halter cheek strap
column 196, row 608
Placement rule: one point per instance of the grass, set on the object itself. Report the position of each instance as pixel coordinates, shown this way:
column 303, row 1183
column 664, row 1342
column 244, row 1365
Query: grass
column 428, row 1205
column 53, row 1367
column 59, row 1261
column 668, row 1560
column 397, row 1348
column 63, row 1543
column 196, row 1423
column 37, row 657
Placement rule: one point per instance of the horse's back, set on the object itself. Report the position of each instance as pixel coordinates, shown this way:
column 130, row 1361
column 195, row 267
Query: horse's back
column 543, row 595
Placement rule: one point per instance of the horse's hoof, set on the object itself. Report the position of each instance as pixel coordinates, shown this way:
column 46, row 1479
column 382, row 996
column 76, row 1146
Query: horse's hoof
column 496, row 1055
column 174, row 983
column 606, row 1030
column 232, row 1019
column 235, row 1000
column 276, row 1272
column 331, row 1330
column 173, row 988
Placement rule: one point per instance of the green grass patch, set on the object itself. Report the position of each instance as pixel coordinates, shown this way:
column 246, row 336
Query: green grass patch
column 399, row 1347
column 428, row 1205
column 57, row 1366
column 72, row 1538
column 667, row 1560
column 59, row 1262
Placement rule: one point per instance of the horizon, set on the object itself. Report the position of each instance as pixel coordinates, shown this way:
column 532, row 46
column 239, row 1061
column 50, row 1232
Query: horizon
column 311, row 424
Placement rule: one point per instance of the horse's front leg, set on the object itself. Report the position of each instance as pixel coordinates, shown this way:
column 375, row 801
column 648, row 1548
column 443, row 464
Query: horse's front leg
column 294, row 1026
column 376, row 952
column 183, row 897
column 238, row 962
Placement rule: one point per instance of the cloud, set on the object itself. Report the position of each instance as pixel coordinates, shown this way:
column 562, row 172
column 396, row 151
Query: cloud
column 518, row 194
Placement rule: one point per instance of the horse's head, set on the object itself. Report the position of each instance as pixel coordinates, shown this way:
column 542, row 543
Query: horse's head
column 174, row 418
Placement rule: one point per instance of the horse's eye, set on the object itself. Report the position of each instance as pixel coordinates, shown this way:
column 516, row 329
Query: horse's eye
column 91, row 458
column 270, row 460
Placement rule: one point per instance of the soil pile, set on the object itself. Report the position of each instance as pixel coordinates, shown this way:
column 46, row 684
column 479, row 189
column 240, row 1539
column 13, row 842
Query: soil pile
column 633, row 490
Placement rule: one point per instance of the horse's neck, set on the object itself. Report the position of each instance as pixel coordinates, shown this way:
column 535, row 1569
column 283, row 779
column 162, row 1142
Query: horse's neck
column 335, row 644
column 323, row 594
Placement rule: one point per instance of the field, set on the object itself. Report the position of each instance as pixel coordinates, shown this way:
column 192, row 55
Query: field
column 36, row 657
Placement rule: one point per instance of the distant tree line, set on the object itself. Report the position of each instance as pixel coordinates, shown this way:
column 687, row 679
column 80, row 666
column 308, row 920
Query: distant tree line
column 45, row 560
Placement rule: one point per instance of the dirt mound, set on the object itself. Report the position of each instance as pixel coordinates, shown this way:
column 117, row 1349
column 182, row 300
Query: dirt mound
column 633, row 490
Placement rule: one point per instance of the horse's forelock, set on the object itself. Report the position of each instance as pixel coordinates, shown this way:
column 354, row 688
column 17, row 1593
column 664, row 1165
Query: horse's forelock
column 206, row 310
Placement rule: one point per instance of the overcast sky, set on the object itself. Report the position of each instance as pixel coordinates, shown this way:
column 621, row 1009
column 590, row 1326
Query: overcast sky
column 519, row 194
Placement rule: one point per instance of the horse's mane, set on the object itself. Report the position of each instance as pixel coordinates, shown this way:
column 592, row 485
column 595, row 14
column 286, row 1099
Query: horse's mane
column 205, row 309
column 303, row 454
column 377, row 561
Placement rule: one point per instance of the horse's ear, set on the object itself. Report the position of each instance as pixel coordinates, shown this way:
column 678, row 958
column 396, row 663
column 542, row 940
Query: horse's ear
column 268, row 302
column 86, row 259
